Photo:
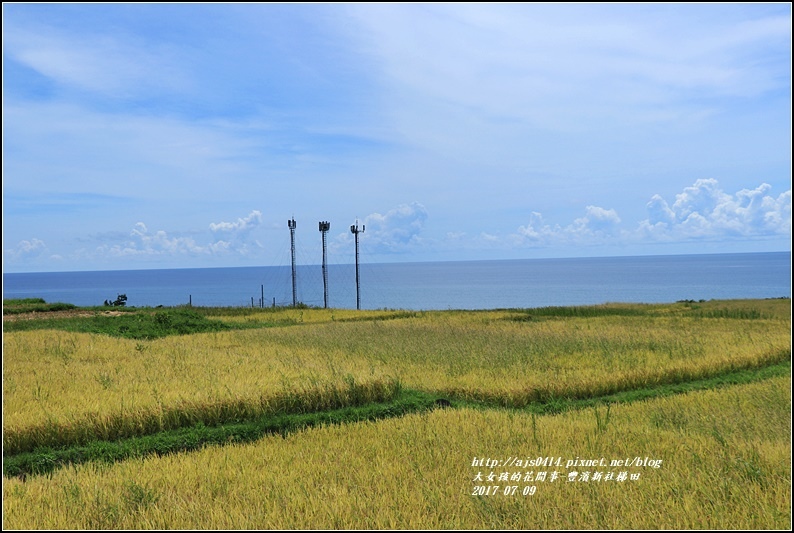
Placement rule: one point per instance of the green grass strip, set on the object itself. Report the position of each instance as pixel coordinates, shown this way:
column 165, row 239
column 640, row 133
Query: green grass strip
column 30, row 305
column 46, row 460
column 149, row 324
column 561, row 405
column 141, row 325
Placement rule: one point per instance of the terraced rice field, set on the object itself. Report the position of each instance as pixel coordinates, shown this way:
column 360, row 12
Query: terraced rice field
column 309, row 418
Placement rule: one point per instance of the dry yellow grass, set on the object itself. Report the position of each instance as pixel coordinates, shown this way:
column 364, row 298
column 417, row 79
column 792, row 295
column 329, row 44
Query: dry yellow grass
column 725, row 464
column 69, row 387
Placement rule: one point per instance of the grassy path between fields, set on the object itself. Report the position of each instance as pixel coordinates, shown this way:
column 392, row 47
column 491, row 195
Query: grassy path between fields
column 44, row 460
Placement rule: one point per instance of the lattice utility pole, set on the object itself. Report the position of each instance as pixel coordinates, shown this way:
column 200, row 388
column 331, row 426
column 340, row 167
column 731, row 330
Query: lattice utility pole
column 291, row 224
column 355, row 231
column 324, row 227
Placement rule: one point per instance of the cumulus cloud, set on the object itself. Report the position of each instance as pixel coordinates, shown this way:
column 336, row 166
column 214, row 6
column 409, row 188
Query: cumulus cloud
column 143, row 242
column 659, row 212
column 26, row 250
column 704, row 210
column 399, row 230
column 246, row 224
column 701, row 211
column 597, row 223
column 537, row 230
column 702, row 197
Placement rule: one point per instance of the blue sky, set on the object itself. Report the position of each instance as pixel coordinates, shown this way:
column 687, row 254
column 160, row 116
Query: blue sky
column 178, row 135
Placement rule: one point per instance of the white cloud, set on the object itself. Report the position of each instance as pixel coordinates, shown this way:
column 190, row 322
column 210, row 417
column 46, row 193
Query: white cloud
column 65, row 148
column 537, row 230
column 704, row 210
column 564, row 66
column 702, row 197
column 399, row 230
column 598, row 223
column 777, row 212
column 106, row 63
column 659, row 212
column 142, row 242
column 253, row 220
column 26, row 250
column 473, row 108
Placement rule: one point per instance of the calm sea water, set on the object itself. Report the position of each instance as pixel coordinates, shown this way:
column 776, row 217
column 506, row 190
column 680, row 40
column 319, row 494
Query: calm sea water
column 442, row 285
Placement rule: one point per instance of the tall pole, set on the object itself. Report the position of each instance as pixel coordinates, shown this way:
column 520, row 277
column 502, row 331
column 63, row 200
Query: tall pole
column 355, row 231
column 291, row 224
column 324, row 227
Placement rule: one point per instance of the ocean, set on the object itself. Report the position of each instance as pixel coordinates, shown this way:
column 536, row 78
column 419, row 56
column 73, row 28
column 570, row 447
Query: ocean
column 431, row 285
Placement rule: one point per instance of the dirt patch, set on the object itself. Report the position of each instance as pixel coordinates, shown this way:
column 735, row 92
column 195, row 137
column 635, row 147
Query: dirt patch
column 74, row 313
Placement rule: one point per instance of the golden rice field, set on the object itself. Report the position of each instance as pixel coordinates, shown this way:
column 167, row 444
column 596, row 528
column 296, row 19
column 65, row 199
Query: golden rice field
column 64, row 387
column 725, row 463
column 725, row 453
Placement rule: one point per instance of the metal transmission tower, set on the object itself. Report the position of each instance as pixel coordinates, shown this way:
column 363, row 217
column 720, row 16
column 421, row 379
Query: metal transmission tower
column 355, row 231
column 291, row 224
column 324, row 227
